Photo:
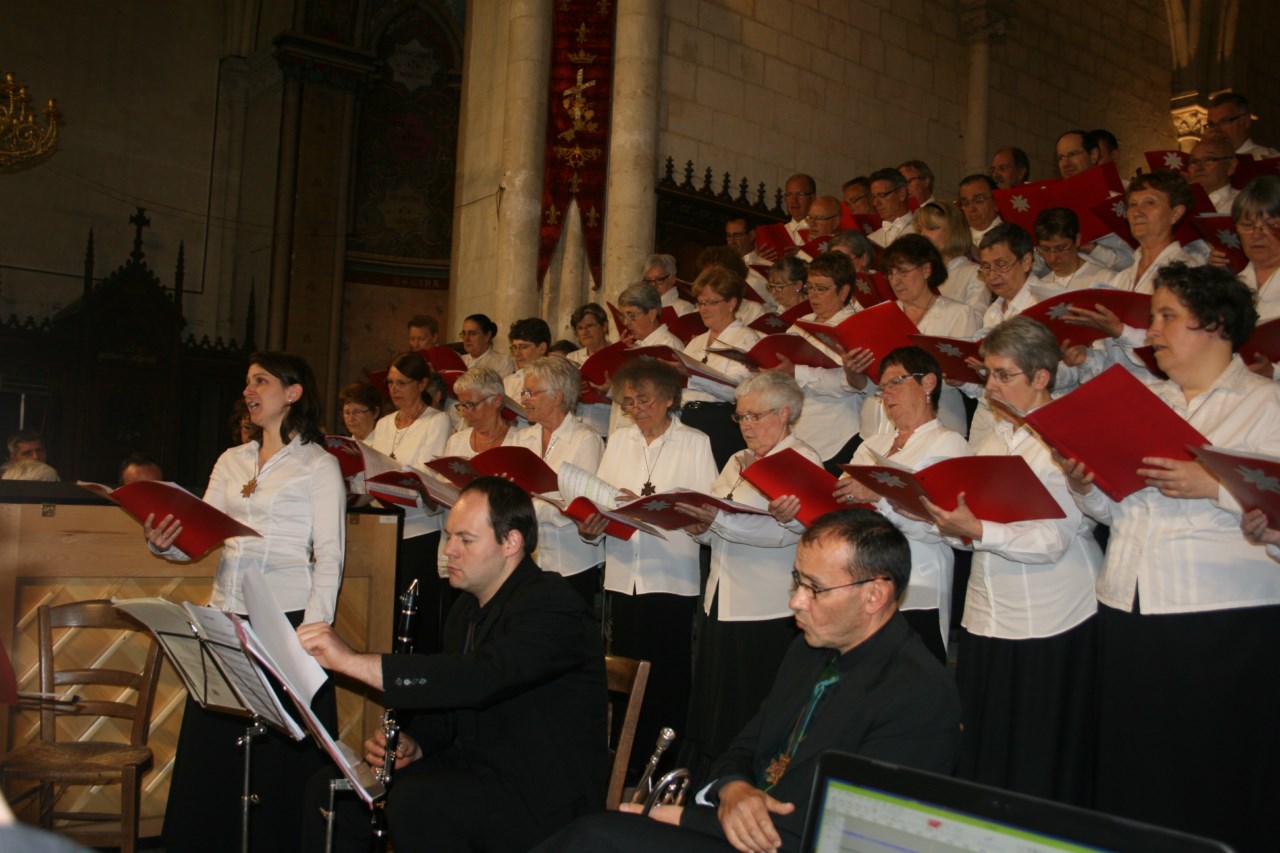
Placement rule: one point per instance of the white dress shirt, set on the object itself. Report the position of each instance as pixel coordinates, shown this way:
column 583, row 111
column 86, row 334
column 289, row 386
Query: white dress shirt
column 932, row 560
column 831, row 407
column 1223, row 197
column 680, row 458
column 890, row 231
column 1266, row 295
column 1112, row 252
column 976, row 235
column 299, row 507
column 702, row 389
column 1119, row 350
column 560, row 548
column 799, row 231
column 594, row 415
column 499, row 362
column 1186, row 556
column 963, row 284
column 751, row 555
column 1256, row 151
column 414, row 446
column 1088, row 274
column 671, row 299
column 1031, row 579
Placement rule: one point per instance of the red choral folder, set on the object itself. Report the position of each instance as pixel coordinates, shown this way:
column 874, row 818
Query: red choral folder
column 1000, row 489
column 776, row 235
column 1110, row 424
column 872, row 288
column 951, row 354
column 660, row 510
column 1133, row 309
column 881, row 329
column 1166, row 159
column 686, row 327
column 771, row 323
column 442, row 358
column 1264, row 341
column 600, row 367
column 203, row 526
column 868, row 223
column 1022, row 204
column 788, row 473
column 816, row 246
column 1252, row 479
column 1248, row 168
column 580, row 509
column 766, row 351
column 1219, row 231
column 404, row 488
column 520, row 465
column 619, row 324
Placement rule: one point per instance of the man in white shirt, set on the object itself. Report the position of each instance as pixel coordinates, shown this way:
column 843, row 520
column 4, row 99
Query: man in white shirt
column 798, row 196
column 978, row 203
column 740, row 236
column 1230, row 117
column 889, row 196
column 1211, row 165
column 823, row 219
column 1010, row 167
column 919, row 180
column 660, row 274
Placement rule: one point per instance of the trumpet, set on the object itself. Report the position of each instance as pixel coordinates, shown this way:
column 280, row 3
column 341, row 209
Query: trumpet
column 671, row 789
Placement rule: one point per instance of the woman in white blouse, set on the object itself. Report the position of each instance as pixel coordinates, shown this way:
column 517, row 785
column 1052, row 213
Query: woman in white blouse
column 478, row 332
column 591, row 325
column 414, row 434
column 550, row 395
column 284, row 485
column 652, row 583
column 910, row 382
column 916, row 273
column 1256, row 212
column 1189, row 611
column 944, row 225
column 748, row 622
column 1025, row 668
column 708, row 405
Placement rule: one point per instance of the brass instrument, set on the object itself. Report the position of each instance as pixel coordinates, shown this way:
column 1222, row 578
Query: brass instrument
column 671, row 789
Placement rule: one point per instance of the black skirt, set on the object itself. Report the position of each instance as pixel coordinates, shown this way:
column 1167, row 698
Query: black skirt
column 1029, row 713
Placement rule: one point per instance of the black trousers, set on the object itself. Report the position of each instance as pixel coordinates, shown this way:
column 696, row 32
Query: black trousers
column 618, row 832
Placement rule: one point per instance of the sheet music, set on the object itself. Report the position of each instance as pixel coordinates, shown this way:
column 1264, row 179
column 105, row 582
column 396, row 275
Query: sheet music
column 251, row 685
column 278, row 637
column 576, row 482
column 172, row 627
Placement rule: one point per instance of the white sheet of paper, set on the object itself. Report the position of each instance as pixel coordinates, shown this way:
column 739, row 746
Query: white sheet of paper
column 278, row 637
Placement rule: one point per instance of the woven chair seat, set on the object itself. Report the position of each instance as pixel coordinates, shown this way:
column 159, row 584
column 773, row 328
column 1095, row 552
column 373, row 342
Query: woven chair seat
column 84, row 763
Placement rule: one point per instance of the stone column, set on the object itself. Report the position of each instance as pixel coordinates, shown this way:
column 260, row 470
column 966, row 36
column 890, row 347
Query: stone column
column 981, row 21
column 523, row 146
column 633, row 143
column 282, row 227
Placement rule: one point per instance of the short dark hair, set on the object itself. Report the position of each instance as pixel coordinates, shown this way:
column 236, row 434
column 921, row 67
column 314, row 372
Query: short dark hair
column 1106, row 137
column 747, row 221
column 808, row 179
column 916, row 249
column 1021, row 161
column 563, row 346
column 1173, row 184
column 424, row 321
column 1219, row 301
column 137, row 459
column 664, row 378
column 532, row 329
column 510, row 508
column 25, row 436
column 1057, row 222
column 363, row 393
column 860, row 181
column 723, row 256
column 889, row 174
column 486, row 325
column 834, row 265
column 1223, row 99
column 877, row 548
column 1088, row 141
column 1011, row 235
column 980, row 177
column 591, row 309
column 916, row 360
column 303, row 416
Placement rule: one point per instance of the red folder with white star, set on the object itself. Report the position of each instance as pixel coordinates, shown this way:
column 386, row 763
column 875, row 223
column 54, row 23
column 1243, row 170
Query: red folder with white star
column 1134, row 309
column 1252, row 479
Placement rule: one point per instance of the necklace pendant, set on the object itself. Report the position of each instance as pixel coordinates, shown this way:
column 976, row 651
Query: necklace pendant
column 249, row 488
column 648, row 490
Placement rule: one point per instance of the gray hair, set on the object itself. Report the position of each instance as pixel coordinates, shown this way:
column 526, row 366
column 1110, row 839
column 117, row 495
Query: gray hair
column 482, row 380
column 778, row 390
column 1260, row 197
column 666, row 263
column 561, row 375
column 853, row 240
column 642, row 296
column 1028, row 343
column 787, row 270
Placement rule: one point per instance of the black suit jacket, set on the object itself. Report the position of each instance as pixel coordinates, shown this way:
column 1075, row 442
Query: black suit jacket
column 525, row 707
column 894, row 702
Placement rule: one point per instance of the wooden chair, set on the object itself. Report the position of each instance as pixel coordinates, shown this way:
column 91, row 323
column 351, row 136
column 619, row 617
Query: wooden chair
column 626, row 677
column 56, row 764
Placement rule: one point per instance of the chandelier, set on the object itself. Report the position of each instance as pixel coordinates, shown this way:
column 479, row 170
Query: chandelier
column 24, row 142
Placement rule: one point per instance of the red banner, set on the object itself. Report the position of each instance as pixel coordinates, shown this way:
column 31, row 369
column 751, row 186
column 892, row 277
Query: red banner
column 580, row 88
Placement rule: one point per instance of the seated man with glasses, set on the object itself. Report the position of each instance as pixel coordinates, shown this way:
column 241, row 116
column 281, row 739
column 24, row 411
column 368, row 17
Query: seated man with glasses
column 889, row 197
column 858, row 680
column 1230, row 117
column 978, row 203
column 1057, row 238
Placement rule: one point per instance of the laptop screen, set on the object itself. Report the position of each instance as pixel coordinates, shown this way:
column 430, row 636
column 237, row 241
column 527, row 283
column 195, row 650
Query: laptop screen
column 873, row 807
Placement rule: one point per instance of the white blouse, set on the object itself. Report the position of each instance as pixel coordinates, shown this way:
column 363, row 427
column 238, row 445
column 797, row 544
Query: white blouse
column 415, row 445
column 680, row 458
column 560, row 548
column 706, row 390
column 831, row 406
column 594, row 415
column 498, row 362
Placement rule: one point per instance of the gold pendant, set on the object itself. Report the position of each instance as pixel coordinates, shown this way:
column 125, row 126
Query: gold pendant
column 249, row 488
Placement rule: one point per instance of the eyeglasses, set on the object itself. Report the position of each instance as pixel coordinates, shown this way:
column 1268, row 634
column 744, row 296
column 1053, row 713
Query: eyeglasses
column 521, row 346
column 1263, row 226
column 882, row 196
column 819, row 289
column 998, row 267
column 857, row 199
column 642, row 401
column 813, row 220
column 1069, row 249
column 751, row 417
column 1205, row 161
column 898, row 380
column 355, row 413
column 796, row 195
column 778, row 288
column 401, row 383
column 1214, row 125
column 734, row 235
column 632, row 316
column 813, row 591
column 710, row 303
column 916, row 179
column 974, row 202
column 901, row 272
column 529, row 393
column 1001, row 375
column 653, row 281
column 463, row 408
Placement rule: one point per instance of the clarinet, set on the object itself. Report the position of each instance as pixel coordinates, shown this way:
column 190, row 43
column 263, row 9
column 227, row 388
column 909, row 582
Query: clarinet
column 402, row 645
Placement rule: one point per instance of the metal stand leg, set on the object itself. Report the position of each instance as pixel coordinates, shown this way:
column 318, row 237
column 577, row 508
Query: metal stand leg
column 247, row 797
column 330, row 816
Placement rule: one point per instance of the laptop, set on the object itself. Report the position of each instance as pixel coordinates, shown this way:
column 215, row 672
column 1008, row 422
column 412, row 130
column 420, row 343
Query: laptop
column 859, row 805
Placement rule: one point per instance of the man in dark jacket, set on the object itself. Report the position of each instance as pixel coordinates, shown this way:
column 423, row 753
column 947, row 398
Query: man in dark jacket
column 859, row 680
column 509, row 742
